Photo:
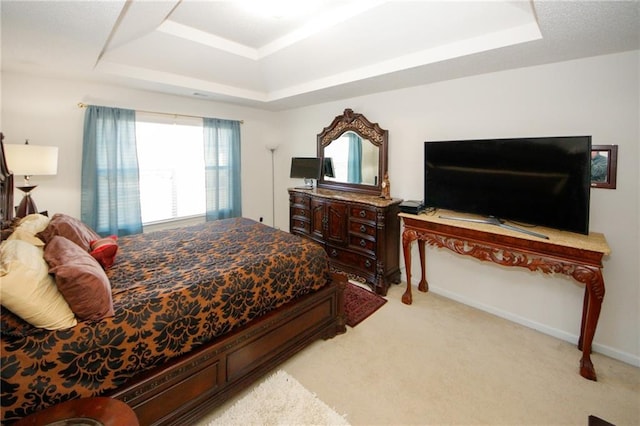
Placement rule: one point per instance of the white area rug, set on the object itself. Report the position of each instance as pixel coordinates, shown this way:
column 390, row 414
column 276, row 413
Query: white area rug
column 279, row 400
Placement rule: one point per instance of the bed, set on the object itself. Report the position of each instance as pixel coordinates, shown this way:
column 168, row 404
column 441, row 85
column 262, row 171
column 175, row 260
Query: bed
column 192, row 316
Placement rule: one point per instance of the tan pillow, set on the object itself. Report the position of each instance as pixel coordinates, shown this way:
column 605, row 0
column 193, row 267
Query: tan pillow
column 71, row 228
column 34, row 223
column 27, row 289
column 28, row 227
column 23, row 235
column 80, row 279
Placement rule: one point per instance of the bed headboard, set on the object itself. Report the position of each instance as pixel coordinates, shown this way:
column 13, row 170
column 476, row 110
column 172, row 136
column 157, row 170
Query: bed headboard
column 6, row 189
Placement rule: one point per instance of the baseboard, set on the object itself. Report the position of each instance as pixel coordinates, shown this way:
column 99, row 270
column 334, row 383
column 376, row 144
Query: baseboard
column 554, row 332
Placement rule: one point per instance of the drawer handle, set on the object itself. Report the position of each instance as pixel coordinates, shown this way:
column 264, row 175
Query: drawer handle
column 363, row 243
column 363, row 228
column 363, row 213
column 334, row 253
column 367, row 263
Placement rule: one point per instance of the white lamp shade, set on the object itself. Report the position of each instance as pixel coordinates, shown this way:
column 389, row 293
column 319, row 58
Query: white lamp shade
column 29, row 160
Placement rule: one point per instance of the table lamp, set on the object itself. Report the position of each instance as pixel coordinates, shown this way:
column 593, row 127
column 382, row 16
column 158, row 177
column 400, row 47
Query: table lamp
column 29, row 160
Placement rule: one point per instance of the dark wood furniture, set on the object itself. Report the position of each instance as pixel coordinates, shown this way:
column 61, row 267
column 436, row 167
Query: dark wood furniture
column 347, row 214
column 578, row 256
column 332, row 144
column 189, row 386
column 360, row 233
column 6, row 189
column 99, row 411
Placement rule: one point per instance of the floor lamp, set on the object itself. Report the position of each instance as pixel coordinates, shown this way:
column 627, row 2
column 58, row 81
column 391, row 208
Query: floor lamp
column 273, row 148
column 28, row 160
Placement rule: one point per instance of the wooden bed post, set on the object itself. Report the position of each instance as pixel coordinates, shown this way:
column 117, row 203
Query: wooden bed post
column 6, row 188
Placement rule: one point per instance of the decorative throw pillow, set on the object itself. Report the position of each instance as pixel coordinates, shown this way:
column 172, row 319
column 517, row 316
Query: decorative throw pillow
column 28, row 227
column 34, row 223
column 27, row 289
column 104, row 250
column 23, row 235
column 80, row 279
column 71, row 228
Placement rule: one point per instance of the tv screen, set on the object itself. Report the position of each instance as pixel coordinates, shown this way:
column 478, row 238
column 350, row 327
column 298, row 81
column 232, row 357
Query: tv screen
column 531, row 181
column 305, row 167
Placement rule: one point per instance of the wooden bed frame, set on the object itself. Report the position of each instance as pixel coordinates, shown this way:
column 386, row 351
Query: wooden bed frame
column 6, row 189
column 188, row 387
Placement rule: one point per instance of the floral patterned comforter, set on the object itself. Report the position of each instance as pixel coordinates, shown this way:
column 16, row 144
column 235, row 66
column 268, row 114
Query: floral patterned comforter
column 172, row 291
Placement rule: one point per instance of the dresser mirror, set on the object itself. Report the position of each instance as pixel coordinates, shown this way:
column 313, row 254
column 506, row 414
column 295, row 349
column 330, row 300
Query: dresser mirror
column 354, row 154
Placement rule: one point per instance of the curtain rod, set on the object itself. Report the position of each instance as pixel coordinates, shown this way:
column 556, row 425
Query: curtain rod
column 83, row 105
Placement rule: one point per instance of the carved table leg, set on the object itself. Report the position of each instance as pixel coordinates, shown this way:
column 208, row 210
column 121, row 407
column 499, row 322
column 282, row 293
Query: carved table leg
column 423, row 285
column 585, row 309
column 594, row 294
column 407, row 237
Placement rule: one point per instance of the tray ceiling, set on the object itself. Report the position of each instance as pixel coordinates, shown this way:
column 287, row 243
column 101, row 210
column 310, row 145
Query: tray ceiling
column 233, row 51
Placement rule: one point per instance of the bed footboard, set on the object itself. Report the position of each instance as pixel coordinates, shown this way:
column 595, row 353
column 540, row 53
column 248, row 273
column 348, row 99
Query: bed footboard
column 190, row 386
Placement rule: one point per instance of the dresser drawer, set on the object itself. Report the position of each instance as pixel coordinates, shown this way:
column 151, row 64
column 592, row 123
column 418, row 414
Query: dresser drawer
column 300, row 200
column 359, row 261
column 361, row 212
column 363, row 244
column 302, row 226
column 299, row 212
column 362, row 228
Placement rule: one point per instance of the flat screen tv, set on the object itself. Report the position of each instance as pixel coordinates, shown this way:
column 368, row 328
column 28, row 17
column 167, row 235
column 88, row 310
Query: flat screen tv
column 530, row 181
column 307, row 168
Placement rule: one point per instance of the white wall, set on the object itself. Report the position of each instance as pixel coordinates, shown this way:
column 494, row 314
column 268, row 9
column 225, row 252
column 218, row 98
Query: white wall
column 45, row 111
column 596, row 96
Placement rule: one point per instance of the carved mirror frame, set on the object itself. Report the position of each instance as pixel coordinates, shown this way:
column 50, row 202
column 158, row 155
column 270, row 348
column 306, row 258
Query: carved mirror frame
column 359, row 124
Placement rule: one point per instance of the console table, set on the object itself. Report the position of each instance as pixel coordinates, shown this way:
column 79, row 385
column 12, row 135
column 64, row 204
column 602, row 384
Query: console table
column 578, row 256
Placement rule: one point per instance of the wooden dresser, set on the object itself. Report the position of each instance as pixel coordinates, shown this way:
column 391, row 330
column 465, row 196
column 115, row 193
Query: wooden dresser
column 360, row 232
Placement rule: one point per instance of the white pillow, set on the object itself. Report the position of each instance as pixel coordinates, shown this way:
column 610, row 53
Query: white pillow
column 28, row 227
column 34, row 222
column 27, row 236
column 27, row 289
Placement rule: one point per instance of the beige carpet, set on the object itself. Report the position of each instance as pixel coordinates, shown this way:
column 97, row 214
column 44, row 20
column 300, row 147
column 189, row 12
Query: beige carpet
column 438, row 362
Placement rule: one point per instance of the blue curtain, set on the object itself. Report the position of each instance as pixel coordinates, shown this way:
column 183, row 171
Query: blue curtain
column 222, row 168
column 110, row 200
column 354, row 168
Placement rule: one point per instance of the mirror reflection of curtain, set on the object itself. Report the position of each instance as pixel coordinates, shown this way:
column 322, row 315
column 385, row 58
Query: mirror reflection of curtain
column 354, row 170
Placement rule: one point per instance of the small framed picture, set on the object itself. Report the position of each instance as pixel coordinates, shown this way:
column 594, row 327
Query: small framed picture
column 604, row 165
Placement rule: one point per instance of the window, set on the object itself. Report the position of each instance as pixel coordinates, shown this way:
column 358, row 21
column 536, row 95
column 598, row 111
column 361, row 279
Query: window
column 188, row 166
column 171, row 167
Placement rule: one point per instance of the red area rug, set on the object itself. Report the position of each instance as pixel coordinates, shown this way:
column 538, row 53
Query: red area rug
column 359, row 303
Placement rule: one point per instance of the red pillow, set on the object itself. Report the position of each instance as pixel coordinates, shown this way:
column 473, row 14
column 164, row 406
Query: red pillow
column 104, row 250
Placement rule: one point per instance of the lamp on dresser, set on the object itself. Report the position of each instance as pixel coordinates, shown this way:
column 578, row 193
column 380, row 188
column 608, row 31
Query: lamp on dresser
column 29, row 160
